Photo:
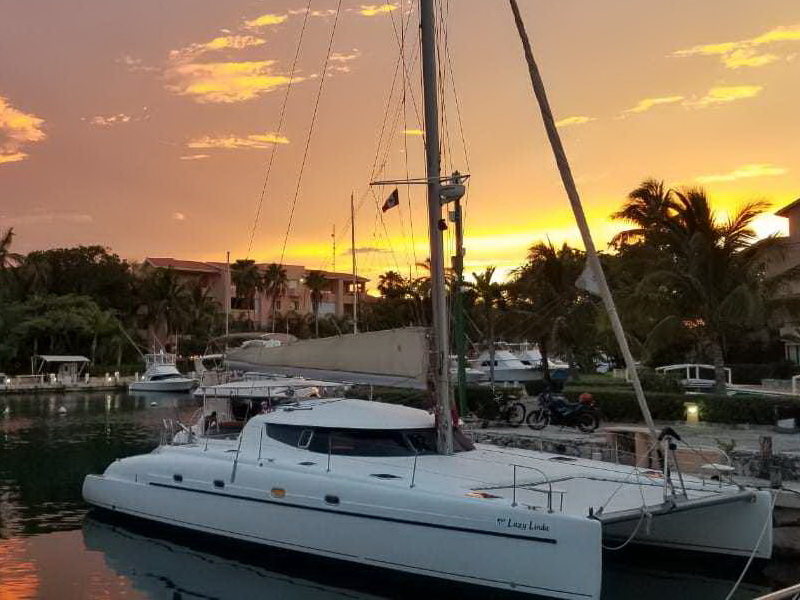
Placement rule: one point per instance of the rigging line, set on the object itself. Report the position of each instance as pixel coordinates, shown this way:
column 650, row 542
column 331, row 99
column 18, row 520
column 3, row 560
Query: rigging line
column 401, row 42
column 280, row 128
column 311, row 129
column 455, row 98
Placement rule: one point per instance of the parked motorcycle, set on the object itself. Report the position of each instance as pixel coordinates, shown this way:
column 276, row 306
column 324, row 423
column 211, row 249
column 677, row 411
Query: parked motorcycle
column 556, row 409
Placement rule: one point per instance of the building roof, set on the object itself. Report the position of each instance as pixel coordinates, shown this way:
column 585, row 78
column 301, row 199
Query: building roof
column 784, row 212
column 217, row 267
column 182, row 265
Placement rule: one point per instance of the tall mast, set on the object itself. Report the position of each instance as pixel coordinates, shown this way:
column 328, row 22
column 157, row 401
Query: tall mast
column 567, row 180
column 353, row 251
column 458, row 308
column 227, row 296
column 440, row 328
column 333, row 237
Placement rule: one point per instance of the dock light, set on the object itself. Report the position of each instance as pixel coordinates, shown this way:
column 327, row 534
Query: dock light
column 8, row 380
column 692, row 413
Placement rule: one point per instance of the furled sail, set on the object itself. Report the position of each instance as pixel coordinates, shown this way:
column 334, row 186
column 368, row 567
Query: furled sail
column 394, row 357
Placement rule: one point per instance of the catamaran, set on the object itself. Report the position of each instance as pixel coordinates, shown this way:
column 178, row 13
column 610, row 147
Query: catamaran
column 404, row 489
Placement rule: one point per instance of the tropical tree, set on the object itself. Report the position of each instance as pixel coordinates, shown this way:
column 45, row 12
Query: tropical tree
column 316, row 282
column 247, row 279
column 489, row 297
column 274, row 284
column 163, row 299
column 8, row 258
column 711, row 272
column 545, row 290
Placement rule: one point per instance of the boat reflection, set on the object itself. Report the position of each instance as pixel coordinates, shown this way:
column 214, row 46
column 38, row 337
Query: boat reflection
column 162, row 569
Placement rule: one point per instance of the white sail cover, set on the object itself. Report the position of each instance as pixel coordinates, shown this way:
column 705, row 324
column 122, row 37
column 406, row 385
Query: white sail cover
column 394, row 357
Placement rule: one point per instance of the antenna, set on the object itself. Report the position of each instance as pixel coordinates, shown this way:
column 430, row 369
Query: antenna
column 333, row 237
column 353, row 251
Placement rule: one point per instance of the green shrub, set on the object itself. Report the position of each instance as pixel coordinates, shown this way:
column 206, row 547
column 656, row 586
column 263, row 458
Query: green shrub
column 620, row 405
column 748, row 373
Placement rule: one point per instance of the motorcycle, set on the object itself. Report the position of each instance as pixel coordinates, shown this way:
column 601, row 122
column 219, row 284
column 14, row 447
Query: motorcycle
column 556, row 409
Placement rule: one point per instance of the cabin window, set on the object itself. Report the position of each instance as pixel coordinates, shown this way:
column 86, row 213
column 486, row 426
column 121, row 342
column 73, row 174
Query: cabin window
column 286, row 434
column 364, row 442
column 305, row 438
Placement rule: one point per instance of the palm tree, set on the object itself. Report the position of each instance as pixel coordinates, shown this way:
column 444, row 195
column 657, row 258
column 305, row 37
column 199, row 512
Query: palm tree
column 315, row 281
column 247, row 279
column 489, row 297
column 712, row 273
column 274, row 282
column 8, row 258
column 544, row 289
column 164, row 300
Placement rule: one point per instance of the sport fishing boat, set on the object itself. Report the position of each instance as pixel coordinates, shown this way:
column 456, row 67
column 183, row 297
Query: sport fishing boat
column 404, row 489
column 363, row 481
column 161, row 375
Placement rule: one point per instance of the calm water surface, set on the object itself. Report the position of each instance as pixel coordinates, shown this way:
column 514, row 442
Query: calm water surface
column 52, row 547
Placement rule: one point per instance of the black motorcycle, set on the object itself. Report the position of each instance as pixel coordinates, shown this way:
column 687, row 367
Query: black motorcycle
column 558, row 410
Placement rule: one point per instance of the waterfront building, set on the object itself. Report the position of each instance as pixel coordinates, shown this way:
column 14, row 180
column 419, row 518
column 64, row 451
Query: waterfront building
column 789, row 325
column 337, row 297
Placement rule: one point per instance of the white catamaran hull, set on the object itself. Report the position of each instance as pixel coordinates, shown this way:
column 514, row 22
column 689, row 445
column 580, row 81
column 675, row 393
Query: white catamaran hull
column 474, row 543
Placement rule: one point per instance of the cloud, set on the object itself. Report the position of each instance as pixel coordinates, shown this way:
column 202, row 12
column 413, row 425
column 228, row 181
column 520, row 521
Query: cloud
column 418, row 132
column 17, row 130
column 578, row 120
column 46, row 217
column 265, row 21
column 745, row 172
column 195, row 156
column 371, row 10
column 135, row 65
column 366, row 250
column 106, row 121
column 725, row 94
column 328, row 12
column 179, row 216
column 648, row 103
column 225, row 42
column 226, row 82
column 747, row 52
column 232, row 142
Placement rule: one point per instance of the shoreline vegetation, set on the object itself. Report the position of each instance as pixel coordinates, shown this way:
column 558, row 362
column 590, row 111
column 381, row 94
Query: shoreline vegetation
column 690, row 287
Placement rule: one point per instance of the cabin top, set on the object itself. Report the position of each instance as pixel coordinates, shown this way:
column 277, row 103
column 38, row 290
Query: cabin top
column 346, row 413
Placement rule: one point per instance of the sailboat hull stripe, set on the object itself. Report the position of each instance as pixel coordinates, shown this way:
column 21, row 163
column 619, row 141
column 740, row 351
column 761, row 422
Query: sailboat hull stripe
column 541, row 540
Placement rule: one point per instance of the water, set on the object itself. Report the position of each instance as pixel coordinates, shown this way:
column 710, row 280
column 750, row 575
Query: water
column 51, row 547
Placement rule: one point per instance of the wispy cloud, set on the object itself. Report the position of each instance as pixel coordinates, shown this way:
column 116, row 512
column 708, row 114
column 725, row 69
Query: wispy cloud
column 224, row 42
column 232, row 142
column 577, row 120
column 106, row 121
column 328, row 12
column 48, row 217
column 372, row 10
column 136, row 65
column 17, row 130
column 745, row 172
column 266, row 21
column 179, row 216
column 226, row 82
column 417, row 132
column 195, row 156
column 725, row 94
column 648, row 103
column 366, row 250
column 748, row 52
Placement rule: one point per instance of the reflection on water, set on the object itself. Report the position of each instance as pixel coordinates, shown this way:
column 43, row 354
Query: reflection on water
column 49, row 548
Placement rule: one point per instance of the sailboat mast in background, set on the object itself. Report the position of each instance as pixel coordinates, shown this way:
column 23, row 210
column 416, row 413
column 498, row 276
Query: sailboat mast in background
column 353, row 251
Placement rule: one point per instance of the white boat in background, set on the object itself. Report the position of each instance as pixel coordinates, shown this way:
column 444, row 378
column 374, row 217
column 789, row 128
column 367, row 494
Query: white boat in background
column 694, row 376
column 262, row 386
column 507, row 367
column 161, row 375
column 363, row 482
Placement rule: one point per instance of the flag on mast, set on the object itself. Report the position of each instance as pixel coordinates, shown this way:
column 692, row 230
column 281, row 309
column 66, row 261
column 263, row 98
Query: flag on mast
column 392, row 201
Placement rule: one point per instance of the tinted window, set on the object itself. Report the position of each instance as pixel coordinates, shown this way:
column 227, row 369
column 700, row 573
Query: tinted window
column 360, row 442
column 287, row 434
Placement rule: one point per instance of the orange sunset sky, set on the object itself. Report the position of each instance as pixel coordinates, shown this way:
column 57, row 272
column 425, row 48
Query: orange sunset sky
column 148, row 126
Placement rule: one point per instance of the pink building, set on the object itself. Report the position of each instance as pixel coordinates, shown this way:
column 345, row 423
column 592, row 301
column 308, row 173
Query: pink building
column 789, row 326
column 337, row 298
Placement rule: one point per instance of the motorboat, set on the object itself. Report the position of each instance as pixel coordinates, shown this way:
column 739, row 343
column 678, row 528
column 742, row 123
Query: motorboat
column 263, row 386
column 507, row 367
column 473, row 375
column 694, row 376
column 161, row 375
column 530, row 356
column 363, row 482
